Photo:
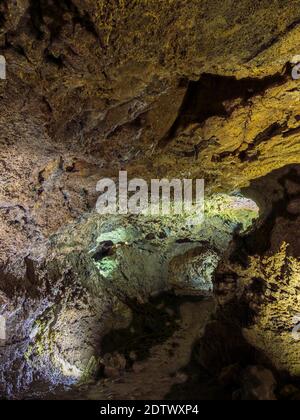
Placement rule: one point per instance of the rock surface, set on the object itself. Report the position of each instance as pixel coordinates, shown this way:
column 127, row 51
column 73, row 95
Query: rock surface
column 172, row 88
column 193, row 272
column 258, row 384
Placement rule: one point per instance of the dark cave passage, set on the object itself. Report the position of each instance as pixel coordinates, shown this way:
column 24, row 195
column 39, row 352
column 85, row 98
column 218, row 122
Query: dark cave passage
column 279, row 195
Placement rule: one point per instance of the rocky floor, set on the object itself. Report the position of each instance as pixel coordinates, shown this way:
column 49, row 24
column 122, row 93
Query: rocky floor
column 153, row 377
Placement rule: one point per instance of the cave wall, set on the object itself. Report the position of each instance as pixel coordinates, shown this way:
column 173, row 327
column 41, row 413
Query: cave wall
column 93, row 88
column 160, row 88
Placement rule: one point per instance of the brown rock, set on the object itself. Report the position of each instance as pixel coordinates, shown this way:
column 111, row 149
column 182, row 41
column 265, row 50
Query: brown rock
column 138, row 367
column 258, row 384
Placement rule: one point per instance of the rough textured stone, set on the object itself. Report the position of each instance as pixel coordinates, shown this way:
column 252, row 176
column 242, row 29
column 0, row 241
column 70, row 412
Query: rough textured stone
column 162, row 88
column 193, row 272
column 258, row 384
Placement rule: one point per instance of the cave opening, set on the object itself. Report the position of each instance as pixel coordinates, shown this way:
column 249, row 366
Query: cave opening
column 161, row 273
column 278, row 195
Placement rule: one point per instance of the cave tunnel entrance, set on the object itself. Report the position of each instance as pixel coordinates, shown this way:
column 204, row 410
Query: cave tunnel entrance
column 278, row 197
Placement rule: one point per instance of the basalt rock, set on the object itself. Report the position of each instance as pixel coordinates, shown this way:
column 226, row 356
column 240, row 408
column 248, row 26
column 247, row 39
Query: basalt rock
column 192, row 272
column 162, row 89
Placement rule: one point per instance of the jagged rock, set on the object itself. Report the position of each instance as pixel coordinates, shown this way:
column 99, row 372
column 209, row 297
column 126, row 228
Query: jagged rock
column 114, row 365
column 258, row 384
column 269, row 286
column 192, row 272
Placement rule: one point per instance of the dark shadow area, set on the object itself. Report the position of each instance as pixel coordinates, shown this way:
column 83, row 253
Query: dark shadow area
column 152, row 324
column 55, row 11
column 205, row 98
column 279, row 194
column 219, row 359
